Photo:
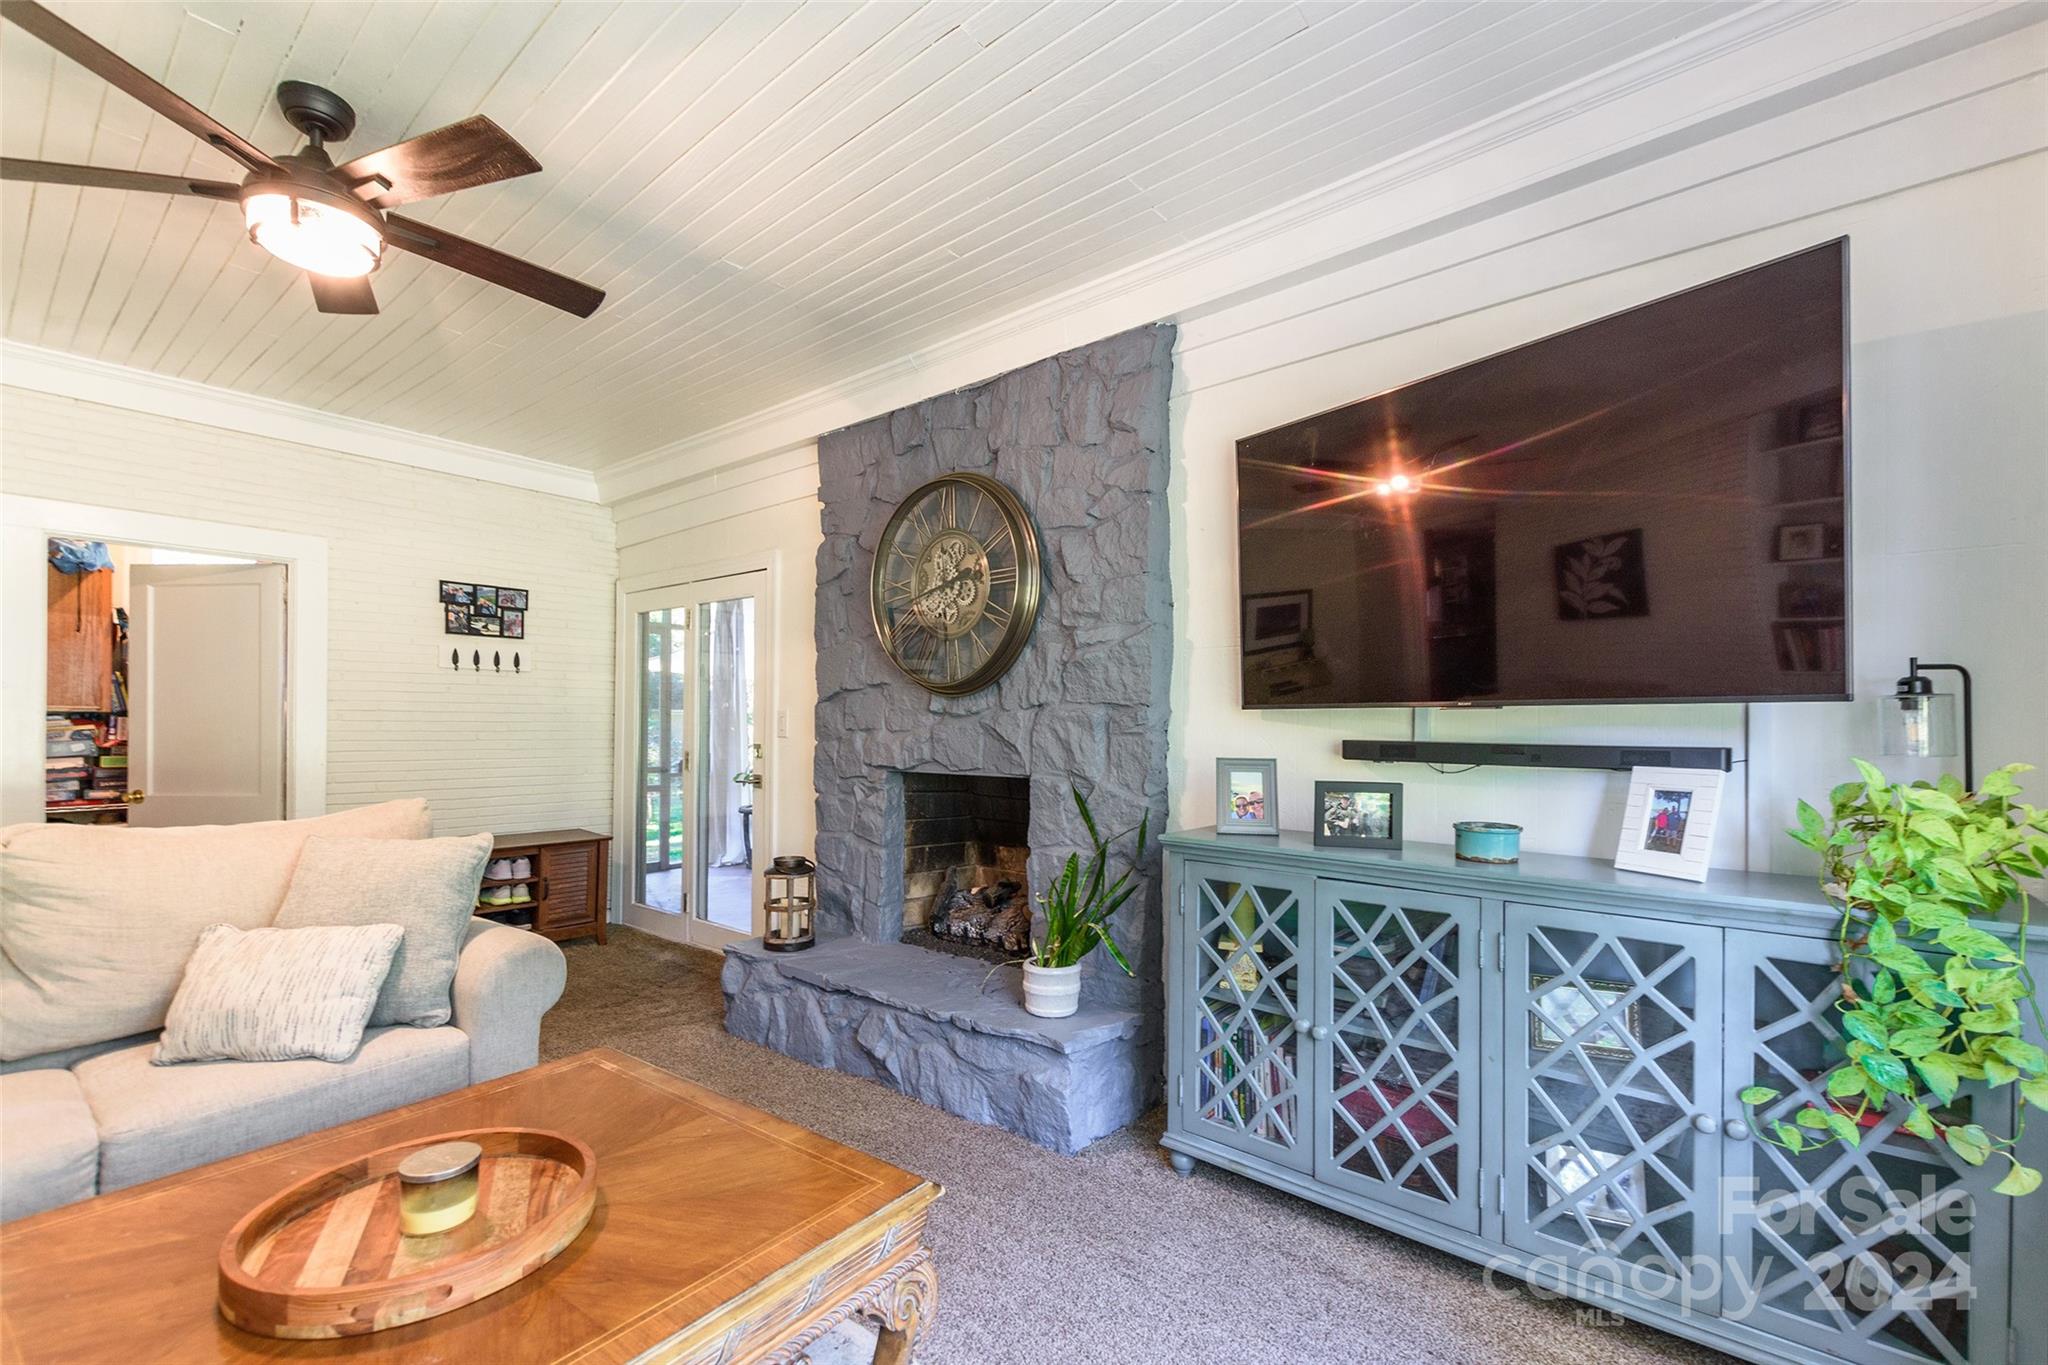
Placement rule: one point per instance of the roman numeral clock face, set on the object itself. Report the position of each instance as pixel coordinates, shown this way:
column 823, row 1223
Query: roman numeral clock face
column 956, row 583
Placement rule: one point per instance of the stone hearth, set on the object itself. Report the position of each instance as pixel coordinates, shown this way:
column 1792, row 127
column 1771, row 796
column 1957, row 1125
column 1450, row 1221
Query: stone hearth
column 1082, row 439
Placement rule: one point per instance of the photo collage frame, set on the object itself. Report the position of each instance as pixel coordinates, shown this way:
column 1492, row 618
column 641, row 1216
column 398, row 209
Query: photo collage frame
column 484, row 609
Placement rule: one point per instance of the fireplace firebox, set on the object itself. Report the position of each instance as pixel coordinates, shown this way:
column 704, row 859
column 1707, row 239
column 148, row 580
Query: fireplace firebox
column 966, row 848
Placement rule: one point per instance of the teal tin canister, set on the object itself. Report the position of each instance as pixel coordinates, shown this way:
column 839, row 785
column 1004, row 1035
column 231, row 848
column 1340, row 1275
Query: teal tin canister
column 1486, row 841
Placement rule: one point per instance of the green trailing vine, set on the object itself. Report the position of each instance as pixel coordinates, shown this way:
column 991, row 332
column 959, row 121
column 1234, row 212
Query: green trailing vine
column 1928, row 999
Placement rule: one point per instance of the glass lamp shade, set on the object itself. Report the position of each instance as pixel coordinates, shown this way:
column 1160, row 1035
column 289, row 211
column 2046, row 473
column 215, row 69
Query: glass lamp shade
column 1919, row 725
column 313, row 236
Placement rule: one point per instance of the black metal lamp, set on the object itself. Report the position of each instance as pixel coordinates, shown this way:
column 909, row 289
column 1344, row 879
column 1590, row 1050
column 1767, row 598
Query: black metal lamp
column 792, row 904
column 1920, row 722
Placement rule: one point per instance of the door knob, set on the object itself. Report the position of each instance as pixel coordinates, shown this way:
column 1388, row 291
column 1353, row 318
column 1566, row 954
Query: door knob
column 1705, row 1123
column 1319, row 1032
column 1737, row 1130
column 134, row 798
column 1301, row 1025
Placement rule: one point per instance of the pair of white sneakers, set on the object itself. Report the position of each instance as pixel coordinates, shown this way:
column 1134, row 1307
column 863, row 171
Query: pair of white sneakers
column 504, row 869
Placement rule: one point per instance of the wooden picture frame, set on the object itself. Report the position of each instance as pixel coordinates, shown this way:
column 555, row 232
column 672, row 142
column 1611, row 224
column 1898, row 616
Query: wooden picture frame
column 1667, row 826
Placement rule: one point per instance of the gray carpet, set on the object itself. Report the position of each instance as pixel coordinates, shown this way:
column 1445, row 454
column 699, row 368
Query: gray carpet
column 1107, row 1256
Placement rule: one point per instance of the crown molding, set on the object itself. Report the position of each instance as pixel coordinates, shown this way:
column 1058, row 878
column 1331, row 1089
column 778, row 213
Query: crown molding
column 1762, row 62
column 43, row 370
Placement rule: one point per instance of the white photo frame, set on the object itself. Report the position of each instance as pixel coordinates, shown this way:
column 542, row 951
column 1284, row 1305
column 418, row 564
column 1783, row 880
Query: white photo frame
column 1667, row 827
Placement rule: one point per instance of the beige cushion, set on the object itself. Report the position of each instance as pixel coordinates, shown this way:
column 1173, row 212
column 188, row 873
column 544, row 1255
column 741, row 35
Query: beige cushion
column 96, row 921
column 425, row 886
column 49, row 1146
column 269, row 995
column 154, row 1120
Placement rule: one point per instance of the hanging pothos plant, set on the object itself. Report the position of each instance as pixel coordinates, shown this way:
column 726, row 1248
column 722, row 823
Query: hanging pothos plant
column 1928, row 999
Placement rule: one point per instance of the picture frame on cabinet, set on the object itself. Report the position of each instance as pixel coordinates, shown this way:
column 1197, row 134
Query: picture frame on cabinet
column 1571, row 1168
column 1667, row 825
column 1247, row 799
column 1358, row 815
column 1560, row 1007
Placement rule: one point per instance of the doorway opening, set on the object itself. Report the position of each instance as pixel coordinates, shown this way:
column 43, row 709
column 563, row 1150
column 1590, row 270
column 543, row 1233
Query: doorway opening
column 698, row 758
column 164, row 685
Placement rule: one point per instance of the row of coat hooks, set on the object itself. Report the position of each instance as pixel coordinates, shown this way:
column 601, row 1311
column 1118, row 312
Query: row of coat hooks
column 476, row 660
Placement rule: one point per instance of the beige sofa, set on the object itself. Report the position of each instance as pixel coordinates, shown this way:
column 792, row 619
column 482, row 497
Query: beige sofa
column 96, row 923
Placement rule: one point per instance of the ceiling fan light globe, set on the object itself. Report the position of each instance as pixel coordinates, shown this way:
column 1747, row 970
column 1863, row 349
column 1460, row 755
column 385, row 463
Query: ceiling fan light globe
column 313, row 236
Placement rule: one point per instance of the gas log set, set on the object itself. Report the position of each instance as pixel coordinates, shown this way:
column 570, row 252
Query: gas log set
column 992, row 915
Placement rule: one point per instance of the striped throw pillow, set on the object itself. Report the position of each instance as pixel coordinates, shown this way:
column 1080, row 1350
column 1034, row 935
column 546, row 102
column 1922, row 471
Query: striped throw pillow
column 268, row 995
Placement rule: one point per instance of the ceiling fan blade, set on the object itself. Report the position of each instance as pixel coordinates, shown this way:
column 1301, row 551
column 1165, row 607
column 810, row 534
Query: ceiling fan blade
column 105, row 177
column 473, row 152
column 509, row 272
column 129, row 79
column 333, row 295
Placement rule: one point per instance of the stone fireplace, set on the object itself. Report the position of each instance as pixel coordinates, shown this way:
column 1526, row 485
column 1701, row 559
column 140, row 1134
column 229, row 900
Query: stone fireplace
column 918, row 794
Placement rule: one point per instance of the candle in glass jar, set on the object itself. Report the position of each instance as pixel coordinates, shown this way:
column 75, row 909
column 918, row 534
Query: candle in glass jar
column 437, row 1188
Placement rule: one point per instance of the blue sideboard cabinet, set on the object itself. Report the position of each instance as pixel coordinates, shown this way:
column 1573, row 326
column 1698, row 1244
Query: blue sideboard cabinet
column 1535, row 1066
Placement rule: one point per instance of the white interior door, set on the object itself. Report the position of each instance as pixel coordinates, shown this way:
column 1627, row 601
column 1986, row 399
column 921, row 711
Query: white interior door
column 699, row 703
column 206, row 693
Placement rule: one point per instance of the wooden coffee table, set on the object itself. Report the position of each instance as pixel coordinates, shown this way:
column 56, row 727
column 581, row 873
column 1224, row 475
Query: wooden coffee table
column 721, row 1235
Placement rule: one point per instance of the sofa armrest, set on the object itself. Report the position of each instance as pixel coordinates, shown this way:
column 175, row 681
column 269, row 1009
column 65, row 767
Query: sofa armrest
column 505, row 980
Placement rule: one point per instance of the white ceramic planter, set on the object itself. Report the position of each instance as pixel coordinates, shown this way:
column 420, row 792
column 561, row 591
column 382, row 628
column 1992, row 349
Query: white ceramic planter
column 1052, row 992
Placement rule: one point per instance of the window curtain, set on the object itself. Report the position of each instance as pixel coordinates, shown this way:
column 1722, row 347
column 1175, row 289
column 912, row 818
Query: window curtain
column 729, row 676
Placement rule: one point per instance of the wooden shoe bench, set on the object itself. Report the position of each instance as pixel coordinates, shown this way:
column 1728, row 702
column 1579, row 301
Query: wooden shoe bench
column 568, row 890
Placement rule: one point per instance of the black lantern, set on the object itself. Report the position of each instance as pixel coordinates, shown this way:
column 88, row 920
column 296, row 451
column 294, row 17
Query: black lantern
column 792, row 904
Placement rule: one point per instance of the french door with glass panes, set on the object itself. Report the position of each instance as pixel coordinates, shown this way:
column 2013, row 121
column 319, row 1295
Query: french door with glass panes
column 696, row 755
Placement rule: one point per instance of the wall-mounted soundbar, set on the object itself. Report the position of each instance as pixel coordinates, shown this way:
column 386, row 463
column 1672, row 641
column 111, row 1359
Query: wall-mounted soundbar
column 1621, row 757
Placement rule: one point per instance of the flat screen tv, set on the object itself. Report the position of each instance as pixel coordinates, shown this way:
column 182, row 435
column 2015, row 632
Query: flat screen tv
column 1651, row 507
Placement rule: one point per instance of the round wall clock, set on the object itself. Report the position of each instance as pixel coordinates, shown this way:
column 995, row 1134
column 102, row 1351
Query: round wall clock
column 956, row 583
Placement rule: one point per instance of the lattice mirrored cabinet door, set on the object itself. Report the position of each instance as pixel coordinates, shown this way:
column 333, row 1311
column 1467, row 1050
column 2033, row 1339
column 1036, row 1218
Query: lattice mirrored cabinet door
column 1892, row 1241
column 1613, row 1080
column 1397, row 1052
column 1248, row 1014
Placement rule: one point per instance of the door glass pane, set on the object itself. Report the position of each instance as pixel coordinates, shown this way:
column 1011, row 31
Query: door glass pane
column 1248, row 970
column 658, row 869
column 1395, row 1002
column 1608, row 1035
column 1876, row 1239
column 726, row 738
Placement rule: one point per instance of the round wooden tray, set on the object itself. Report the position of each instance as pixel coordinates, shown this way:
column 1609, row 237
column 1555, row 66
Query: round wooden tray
column 326, row 1259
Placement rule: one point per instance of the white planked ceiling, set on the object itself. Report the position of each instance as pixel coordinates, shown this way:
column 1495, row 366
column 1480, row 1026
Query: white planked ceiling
column 778, row 197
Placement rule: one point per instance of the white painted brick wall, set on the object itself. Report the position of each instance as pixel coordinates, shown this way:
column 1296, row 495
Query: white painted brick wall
column 490, row 752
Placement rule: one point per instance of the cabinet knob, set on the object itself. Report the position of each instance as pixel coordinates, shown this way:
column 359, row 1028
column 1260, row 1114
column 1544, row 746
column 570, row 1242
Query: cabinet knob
column 1301, row 1025
column 1737, row 1130
column 1319, row 1032
column 1705, row 1123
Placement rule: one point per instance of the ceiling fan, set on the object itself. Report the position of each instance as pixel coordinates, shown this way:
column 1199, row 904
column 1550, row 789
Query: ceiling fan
column 333, row 222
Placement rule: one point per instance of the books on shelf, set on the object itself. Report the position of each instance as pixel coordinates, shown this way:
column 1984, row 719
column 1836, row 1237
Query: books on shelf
column 1803, row 648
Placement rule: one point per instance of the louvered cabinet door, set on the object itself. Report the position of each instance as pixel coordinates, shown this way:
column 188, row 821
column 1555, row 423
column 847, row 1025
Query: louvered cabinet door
column 1613, row 1099
column 1892, row 1250
column 1244, row 1009
column 572, row 879
column 1397, row 1057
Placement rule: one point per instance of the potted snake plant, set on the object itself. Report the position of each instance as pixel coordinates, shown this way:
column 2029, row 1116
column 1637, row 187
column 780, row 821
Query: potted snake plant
column 1078, row 907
